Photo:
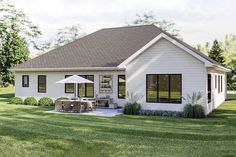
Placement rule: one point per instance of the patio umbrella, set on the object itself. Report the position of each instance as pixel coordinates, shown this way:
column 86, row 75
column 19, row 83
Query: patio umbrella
column 76, row 80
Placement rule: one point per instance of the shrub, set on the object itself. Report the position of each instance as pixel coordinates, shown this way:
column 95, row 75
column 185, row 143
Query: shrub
column 16, row 100
column 188, row 111
column 30, row 101
column 62, row 98
column 193, row 111
column 132, row 108
column 45, row 101
column 161, row 113
column 198, row 111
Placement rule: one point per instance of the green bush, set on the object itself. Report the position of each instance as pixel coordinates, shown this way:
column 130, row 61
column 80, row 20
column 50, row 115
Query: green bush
column 16, row 100
column 62, row 98
column 198, row 111
column 30, row 101
column 132, row 108
column 193, row 111
column 45, row 101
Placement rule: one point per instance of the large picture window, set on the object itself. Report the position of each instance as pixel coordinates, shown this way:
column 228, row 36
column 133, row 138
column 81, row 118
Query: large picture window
column 86, row 89
column 121, row 86
column 151, row 88
column 175, row 88
column 25, row 80
column 42, row 84
column 69, row 87
column 164, row 88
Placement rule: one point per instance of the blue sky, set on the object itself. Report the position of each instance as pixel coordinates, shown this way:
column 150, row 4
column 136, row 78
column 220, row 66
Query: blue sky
column 198, row 20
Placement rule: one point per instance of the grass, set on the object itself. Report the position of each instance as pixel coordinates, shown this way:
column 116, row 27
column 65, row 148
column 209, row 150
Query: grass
column 29, row 131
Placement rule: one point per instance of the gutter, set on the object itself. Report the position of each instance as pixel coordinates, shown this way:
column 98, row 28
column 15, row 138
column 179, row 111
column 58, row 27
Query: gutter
column 67, row 69
column 219, row 67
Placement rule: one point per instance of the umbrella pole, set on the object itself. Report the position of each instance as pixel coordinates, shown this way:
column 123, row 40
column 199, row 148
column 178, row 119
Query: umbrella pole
column 75, row 90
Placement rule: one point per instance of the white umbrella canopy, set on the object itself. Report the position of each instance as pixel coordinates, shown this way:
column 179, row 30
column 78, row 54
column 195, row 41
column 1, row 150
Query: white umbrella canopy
column 76, row 80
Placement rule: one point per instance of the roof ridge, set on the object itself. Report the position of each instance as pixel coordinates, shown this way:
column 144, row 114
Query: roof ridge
column 129, row 26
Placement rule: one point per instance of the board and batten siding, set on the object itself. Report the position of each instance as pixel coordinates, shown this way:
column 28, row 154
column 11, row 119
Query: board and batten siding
column 55, row 90
column 166, row 58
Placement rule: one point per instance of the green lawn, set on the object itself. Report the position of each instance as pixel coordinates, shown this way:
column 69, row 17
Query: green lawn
column 29, row 131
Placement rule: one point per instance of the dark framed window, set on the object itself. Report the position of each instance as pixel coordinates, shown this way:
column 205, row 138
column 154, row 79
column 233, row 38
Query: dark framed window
column 69, row 87
column 175, row 88
column 42, row 81
column 164, row 88
column 215, row 81
column 209, row 87
column 151, row 88
column 218, row 83
column 86, row 89
column 163, row 85
column 221, row 84
column 25, row 80
column 121, row 86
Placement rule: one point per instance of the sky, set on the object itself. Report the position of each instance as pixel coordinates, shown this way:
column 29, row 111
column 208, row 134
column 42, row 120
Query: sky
column 199, row 21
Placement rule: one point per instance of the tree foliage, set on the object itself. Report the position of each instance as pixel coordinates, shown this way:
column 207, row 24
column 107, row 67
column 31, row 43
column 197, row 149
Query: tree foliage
column 68, row 34
column 64, row 36
column 10, row 16
column 216, row 52
column 229, row 48
column 205, row 48
column 13, row 51
column 17, row 32
column 150, row 18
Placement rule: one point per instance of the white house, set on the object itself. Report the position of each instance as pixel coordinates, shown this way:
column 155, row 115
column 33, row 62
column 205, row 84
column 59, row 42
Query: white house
column 142, row 60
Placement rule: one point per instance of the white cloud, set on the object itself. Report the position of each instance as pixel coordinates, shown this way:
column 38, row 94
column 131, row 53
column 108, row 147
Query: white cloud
column 198, row 20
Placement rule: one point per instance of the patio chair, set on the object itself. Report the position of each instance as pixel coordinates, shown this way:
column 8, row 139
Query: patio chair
column 77, row 107
column 66, row 105
column 58, row 105
column 90, row 106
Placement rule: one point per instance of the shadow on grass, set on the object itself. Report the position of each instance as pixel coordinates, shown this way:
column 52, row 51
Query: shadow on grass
column 8, row 95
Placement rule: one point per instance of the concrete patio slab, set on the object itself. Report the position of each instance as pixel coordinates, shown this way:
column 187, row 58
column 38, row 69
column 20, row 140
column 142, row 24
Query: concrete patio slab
column 98, row 112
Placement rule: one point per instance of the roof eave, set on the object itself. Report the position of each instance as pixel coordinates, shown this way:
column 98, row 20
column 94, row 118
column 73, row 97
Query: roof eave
column 153, row 41
column 67, row 69
column 221, row 68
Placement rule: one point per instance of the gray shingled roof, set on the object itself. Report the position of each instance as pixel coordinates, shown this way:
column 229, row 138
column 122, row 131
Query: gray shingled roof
column 104, row 48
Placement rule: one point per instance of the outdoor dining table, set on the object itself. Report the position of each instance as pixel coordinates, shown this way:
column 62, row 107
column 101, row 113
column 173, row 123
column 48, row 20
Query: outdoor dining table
column 74, row 105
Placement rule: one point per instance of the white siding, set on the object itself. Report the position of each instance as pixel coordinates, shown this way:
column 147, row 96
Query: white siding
column 217, row 97
column 55, row 90
column 166, row 58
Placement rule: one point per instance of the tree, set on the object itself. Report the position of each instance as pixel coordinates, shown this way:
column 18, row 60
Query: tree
column 205, row 49
column 17, row 32
column 13, row 51
column 150, row 18
column 216, row 52
column 10, row 16
column 64, row 36
column 67, row 34
column 229, row 48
